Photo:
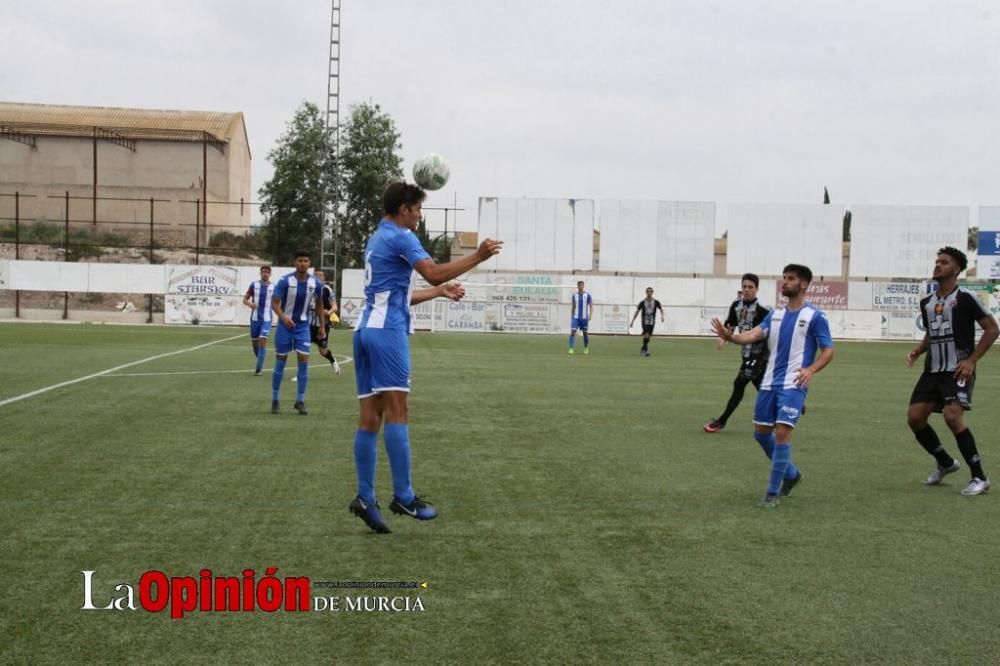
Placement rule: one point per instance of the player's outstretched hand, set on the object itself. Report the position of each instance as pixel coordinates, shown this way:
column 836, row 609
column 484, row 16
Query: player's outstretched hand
column 488, row 248
column 453, row 291
column 720, row 329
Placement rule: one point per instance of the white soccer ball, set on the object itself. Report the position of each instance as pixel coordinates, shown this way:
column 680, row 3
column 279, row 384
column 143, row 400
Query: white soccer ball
column 431, row 172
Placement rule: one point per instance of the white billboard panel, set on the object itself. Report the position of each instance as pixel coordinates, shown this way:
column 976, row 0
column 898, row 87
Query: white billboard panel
column 764, row 238
column 902, row 241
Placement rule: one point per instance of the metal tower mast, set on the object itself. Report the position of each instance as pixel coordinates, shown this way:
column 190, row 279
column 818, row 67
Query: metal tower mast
column 330, row 223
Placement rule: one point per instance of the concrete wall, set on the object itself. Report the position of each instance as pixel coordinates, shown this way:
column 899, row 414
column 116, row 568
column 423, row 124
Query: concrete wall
column 169, row 170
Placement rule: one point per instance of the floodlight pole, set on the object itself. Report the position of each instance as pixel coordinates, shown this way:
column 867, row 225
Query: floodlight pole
column 330, row 224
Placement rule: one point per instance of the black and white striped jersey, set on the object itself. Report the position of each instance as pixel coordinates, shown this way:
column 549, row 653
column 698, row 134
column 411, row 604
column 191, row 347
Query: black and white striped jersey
column 950, row 322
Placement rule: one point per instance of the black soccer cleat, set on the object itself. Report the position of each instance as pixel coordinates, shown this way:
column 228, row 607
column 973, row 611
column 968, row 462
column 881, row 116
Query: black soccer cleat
column 788, row 484
column 275, row 409
column 300, row 407
column 369, row 513
column 418, row 509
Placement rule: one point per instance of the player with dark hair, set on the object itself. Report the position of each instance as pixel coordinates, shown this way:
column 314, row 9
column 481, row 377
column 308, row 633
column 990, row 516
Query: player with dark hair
column 794, row 335
column 744, row 314
column 648, row 307
column 319, row 331
column 581, row 312
column 382, row 347
column 949, row 317
column 293, row 295
column 258, row 298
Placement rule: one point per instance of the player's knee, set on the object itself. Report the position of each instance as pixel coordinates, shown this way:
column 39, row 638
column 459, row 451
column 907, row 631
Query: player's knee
column 954, row 418
column 370, row 422
column 916, row 419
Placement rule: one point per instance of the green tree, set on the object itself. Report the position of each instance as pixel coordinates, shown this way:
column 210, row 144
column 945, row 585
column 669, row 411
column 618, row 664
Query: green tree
column 369, row 161
column 294, row 199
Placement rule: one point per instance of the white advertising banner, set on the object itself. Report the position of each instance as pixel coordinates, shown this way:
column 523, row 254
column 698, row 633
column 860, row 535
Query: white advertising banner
column 465, row 317
column 529, row 318
column 897, row 296
column 203, row 295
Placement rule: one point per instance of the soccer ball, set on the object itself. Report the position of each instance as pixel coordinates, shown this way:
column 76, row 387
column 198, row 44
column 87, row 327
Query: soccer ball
column 431, row 172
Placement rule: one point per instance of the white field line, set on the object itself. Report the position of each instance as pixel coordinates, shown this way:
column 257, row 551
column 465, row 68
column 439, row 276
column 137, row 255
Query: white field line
column 31, row 394
column 340, row 359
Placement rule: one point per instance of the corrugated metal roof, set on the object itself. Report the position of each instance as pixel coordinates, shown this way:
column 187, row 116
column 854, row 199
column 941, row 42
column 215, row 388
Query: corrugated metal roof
column 63, row 120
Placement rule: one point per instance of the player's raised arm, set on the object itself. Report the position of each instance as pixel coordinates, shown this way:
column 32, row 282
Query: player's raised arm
column 756, row 334
column 453, row 291
column 438, row 274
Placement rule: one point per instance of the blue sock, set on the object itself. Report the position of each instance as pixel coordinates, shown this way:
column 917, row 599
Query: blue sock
column 766, row 441
column 397, row 447
column 277, row 375
column 586, row 339
column 303, row 377
column 260, row 358
column 365, row 457
column 779, row 464
column 572, row 341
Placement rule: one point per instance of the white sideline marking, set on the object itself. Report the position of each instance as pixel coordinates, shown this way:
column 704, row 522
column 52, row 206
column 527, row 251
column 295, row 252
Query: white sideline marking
column 346, row 359
column 46, row 389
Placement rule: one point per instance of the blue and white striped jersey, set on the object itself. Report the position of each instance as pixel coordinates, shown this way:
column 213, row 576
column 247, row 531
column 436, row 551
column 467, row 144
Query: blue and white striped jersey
column 390, row 255
column 793, row 338
column 260, row 293
column 295, row 296
column 580, row 302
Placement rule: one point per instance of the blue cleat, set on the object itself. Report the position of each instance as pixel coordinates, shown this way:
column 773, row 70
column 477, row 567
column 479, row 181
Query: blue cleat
column 369, row 513
column 418, row 509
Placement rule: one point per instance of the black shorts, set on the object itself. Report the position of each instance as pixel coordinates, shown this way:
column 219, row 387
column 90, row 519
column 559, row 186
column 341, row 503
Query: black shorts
column 941, row 388
column 752, row 369
column 647, row 329
column 314, row 333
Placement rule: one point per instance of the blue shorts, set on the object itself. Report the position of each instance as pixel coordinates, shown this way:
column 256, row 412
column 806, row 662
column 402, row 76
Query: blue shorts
column 260, row 328
column 381, row 361
column 779, row 406
column 298, row 338
column 578, row 323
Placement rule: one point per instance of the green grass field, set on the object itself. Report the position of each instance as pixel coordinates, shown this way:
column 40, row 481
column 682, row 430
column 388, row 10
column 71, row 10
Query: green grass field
column 585, row 517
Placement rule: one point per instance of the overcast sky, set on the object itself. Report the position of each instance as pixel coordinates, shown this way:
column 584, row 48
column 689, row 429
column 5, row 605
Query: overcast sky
column 757, row 101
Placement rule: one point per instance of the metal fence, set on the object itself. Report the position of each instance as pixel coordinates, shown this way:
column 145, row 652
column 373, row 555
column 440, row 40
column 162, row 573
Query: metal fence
column 69, row 227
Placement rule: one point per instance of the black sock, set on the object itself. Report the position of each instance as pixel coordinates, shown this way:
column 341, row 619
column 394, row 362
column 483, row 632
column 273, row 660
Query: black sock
column 739, row 388
column 644, row 344
column 967, row 445
column 929, row 440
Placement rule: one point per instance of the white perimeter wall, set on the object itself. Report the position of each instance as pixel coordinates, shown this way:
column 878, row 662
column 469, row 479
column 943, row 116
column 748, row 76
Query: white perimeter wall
column 500, row 301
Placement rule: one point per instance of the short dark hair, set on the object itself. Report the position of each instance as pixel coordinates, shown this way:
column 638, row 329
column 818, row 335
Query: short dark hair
column 800, row 271
column 302, row 253
column 955, row 254
column 401, row 194
column 579, row 282
column 752, row 277
column 267, row 266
